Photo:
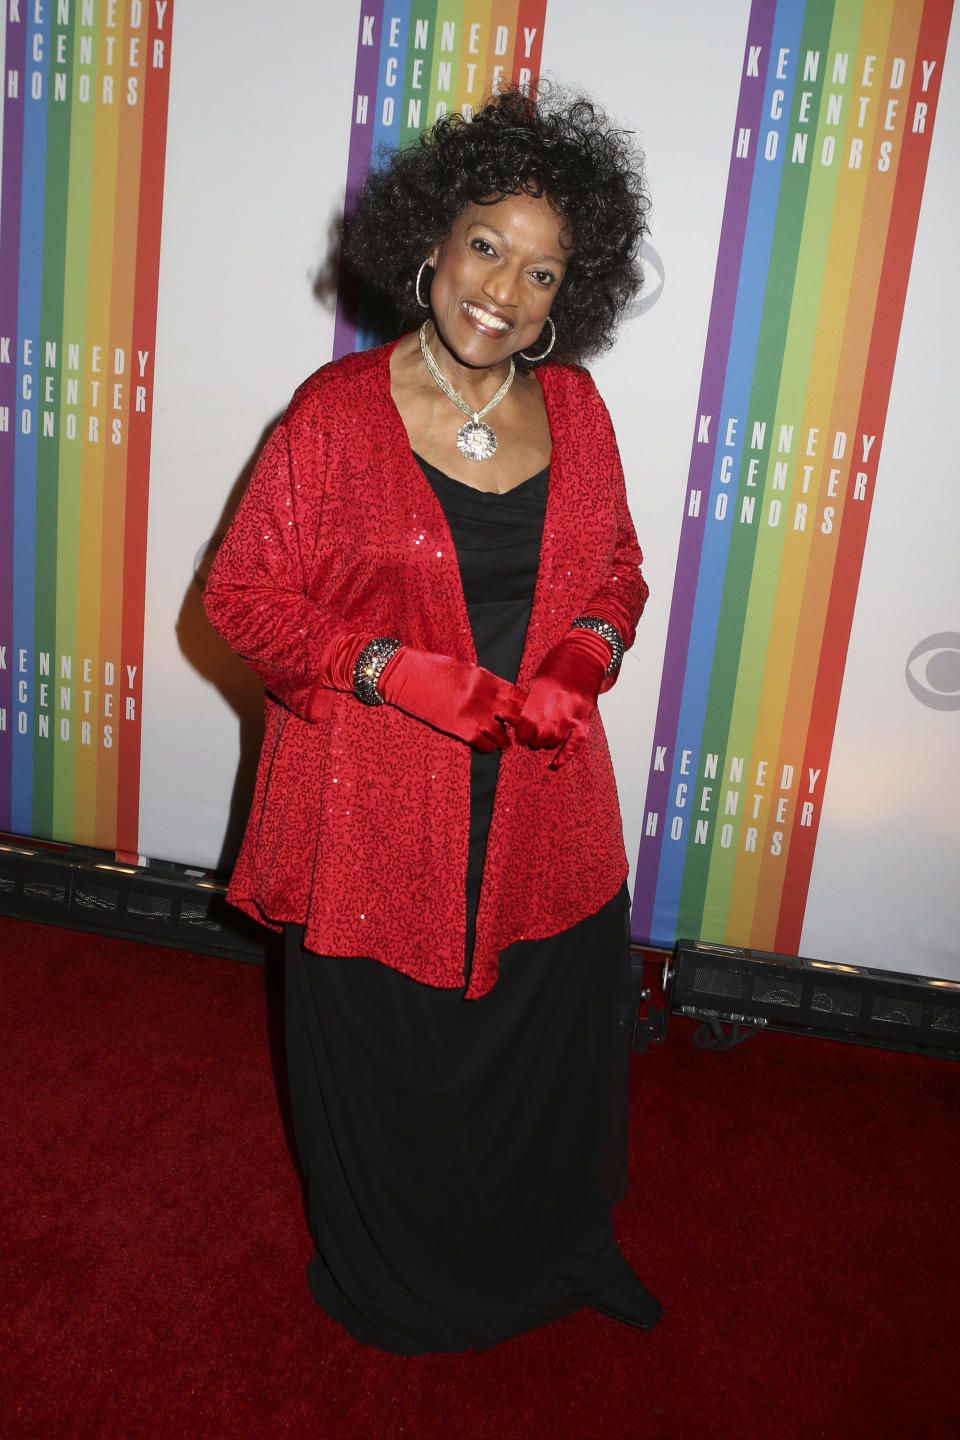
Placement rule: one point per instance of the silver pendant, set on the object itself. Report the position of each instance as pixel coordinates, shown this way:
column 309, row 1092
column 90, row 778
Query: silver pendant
column 476, row 441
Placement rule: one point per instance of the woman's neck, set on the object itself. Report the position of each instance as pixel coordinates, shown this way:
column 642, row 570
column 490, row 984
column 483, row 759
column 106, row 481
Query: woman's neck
column 475, row 384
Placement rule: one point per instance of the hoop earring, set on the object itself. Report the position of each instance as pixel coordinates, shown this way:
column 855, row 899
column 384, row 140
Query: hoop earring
column 424, row 304
column 535, row 359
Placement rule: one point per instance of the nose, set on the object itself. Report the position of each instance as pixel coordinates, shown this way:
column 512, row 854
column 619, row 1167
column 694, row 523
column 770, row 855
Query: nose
column 500, row 284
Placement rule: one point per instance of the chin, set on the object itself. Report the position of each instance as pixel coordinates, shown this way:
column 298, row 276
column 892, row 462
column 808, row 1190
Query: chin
column 472, row 348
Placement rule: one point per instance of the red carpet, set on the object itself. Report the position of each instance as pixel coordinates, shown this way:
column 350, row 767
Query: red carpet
column 794, row 1204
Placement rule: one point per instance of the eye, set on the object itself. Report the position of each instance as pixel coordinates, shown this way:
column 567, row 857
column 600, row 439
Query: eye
column 483, row 247
column 933, row 671
column 544, row 277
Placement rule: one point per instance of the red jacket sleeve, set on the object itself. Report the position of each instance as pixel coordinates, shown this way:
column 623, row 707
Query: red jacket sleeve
column 256, row 594
column 623, row 594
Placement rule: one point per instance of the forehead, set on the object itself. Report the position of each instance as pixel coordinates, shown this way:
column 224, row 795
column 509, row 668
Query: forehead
column 523, row 220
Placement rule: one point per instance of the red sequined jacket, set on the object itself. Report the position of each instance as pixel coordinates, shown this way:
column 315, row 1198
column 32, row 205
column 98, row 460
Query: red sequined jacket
column 359, row 823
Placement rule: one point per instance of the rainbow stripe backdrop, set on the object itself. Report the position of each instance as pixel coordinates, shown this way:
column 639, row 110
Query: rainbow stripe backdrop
column 416, row 60
column 84, row 128
column 836, row 110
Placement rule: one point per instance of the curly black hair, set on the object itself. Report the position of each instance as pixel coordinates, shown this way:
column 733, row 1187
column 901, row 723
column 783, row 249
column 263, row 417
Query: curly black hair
column 588, row 169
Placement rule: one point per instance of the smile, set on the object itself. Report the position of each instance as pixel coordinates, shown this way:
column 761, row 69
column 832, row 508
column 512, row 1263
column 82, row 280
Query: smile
column 484, row 317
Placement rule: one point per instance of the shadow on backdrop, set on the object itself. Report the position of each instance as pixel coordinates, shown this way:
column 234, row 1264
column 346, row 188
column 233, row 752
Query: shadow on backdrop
column 331, row 285
column 215, row 661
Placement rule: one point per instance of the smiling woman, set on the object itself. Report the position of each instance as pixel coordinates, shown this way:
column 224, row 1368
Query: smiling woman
column 435, row 573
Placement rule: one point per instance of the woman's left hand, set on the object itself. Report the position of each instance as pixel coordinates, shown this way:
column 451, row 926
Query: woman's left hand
column 563, row 696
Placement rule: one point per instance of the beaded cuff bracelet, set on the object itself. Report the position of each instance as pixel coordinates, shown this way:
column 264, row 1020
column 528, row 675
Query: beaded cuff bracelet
column 370, row 665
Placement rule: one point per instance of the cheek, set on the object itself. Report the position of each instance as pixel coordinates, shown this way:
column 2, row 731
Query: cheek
column 446, row 279
column 544, row 304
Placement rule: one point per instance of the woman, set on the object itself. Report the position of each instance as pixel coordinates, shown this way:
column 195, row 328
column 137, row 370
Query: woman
column 435, row 574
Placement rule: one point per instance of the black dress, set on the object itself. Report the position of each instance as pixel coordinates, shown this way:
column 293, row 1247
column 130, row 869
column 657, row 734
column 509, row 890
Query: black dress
column 461, row 1157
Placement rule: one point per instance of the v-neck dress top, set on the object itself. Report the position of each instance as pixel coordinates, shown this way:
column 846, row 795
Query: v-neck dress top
column 497, row 540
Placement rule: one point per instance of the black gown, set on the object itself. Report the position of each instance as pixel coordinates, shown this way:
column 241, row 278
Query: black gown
column 461, row 1157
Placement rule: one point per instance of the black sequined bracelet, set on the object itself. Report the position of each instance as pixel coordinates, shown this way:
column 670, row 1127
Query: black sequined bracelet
column 607, row 632
column 370, row 665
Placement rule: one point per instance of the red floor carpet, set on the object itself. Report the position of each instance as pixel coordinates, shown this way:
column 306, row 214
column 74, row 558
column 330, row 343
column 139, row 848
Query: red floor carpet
column 794, row 1204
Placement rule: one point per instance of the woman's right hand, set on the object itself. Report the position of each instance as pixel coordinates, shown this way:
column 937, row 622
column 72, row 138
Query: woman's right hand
column 454, row 696
column 559, row 707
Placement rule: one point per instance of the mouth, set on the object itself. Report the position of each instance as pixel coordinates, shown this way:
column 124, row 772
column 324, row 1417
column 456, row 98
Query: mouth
column 485, row 319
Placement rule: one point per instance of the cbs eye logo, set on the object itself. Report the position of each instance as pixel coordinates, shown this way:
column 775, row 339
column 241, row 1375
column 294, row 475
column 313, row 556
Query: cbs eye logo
column 652, row 287
column 932, row 671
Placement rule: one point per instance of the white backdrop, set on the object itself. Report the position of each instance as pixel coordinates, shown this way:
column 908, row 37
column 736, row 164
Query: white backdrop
column 257, row 149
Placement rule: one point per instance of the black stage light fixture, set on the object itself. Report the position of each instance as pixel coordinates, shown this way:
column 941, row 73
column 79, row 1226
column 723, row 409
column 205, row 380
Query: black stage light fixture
column 160, row 903
column 648, row 973
column 747, row 990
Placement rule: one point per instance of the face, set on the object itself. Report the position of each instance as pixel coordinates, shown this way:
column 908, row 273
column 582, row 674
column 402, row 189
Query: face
column 496, row 276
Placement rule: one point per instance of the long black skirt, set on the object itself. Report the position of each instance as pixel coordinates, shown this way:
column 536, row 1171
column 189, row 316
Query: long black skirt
column 461, row 1156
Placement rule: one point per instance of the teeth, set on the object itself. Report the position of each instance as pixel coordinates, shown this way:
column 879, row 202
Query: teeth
column 485, row 317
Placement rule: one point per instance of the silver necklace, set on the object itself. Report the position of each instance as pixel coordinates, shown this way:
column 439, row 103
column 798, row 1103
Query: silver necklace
column 475, row 440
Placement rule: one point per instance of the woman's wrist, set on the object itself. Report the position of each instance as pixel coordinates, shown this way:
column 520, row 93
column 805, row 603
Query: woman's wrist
column 607, row 632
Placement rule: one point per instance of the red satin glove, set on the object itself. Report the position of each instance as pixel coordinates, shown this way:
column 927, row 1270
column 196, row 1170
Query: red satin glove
column 453, row 696
column 563, row 695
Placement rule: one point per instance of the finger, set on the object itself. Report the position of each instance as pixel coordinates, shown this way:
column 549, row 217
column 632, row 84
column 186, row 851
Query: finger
column 494, row 736
column 524, row 731
column 566, row 750
column 508, row 714
column 500, row 735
